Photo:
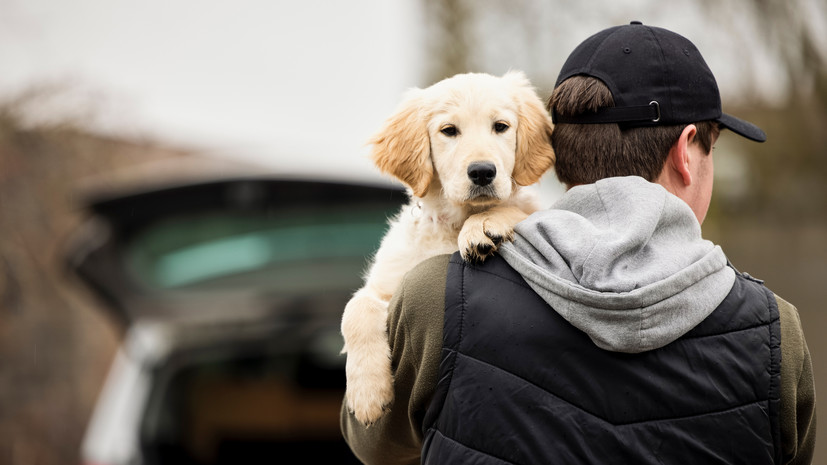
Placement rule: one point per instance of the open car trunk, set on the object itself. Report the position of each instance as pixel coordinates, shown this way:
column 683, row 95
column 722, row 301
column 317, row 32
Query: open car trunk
column 250, row 400
column 250, row 277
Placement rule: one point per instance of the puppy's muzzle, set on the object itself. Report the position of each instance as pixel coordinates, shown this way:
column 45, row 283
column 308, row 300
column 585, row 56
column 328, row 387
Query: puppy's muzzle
column 482, row 173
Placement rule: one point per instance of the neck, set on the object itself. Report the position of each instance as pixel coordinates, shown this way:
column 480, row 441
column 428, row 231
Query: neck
column 437, row 210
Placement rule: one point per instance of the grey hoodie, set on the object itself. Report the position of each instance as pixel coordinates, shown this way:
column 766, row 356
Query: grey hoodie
column 622, row 260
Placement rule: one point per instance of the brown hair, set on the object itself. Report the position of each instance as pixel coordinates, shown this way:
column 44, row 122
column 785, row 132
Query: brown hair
column 589, row 152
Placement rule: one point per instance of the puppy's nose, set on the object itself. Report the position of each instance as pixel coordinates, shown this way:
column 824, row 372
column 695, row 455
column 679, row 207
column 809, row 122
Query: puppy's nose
column 482, row 173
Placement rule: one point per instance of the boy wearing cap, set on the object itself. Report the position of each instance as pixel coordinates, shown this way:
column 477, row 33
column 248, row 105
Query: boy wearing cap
column 608, row 331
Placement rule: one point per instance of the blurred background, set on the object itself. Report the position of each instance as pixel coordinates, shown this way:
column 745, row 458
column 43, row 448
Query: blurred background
column 101, row 99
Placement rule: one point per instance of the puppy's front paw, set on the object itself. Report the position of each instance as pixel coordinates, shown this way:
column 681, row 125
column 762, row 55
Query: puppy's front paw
column 369, row 386
column 368, row 367
column 480, row 237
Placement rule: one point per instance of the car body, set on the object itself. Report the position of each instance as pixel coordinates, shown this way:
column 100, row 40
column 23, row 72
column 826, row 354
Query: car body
column 230, row 293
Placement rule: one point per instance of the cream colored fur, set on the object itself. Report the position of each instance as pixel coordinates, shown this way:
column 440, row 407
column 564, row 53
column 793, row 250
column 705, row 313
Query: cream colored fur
column 429, row 144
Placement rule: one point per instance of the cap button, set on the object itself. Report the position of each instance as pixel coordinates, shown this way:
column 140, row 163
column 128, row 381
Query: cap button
column 636, row 22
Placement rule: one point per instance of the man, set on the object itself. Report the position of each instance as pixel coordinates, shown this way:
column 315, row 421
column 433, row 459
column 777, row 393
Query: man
column 609, row 331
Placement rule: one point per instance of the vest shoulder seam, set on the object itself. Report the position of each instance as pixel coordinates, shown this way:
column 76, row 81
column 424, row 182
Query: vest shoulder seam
column 736, row 330
column 475, row 269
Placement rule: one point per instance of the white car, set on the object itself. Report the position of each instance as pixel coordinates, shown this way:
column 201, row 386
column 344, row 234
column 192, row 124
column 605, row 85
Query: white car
column 231, row 293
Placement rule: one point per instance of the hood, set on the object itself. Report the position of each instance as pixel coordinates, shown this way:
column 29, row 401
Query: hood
column 622, row 260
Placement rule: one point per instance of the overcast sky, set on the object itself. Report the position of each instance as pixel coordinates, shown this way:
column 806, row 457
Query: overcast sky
column 287, row 82
column 272, row 80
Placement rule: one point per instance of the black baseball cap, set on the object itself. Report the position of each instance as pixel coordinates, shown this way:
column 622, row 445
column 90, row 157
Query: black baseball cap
column 656, row 77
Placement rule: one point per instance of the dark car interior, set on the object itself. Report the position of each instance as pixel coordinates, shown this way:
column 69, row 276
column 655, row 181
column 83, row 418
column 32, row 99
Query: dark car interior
column 251, row 402
column 254, row 275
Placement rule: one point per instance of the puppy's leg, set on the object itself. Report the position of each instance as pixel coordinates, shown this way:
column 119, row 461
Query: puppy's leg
column 483, row 232
column 368, row 367
column 365, row 326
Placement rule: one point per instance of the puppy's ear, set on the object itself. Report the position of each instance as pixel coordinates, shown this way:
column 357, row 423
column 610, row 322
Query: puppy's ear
column 402, row 147
column 534, row 153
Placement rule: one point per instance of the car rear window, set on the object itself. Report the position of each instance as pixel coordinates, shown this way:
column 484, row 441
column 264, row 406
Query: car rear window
column 282, row 251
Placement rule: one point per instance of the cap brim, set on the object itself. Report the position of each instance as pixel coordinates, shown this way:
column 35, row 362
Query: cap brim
column 743, row 128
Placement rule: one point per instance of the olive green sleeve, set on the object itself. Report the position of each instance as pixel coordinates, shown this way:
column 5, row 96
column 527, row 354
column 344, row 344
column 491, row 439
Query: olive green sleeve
column 798, row 402
column 415, row 320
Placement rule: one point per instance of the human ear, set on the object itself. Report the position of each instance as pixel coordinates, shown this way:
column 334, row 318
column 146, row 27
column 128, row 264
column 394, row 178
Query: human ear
column 679, row 156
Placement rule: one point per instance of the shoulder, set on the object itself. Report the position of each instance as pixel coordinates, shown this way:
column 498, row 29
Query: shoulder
column 424, row 281
column 792, row 334
column 429, row 272
column 418, row 305
column 794, row 353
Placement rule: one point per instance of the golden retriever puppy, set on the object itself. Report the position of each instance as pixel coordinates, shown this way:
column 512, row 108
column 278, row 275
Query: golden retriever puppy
column 463, row 147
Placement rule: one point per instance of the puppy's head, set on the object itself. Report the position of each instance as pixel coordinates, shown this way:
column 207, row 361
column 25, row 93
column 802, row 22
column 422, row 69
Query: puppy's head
column 478, row 134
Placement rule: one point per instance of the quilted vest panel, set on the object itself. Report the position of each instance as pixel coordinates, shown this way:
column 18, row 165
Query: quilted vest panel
column 520, row 385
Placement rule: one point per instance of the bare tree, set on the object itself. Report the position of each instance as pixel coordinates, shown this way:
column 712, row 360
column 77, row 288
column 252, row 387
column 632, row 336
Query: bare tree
column 448, row 40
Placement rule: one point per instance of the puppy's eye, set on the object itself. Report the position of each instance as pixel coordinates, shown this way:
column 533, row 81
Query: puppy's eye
column 500, row 127
column 449, row 130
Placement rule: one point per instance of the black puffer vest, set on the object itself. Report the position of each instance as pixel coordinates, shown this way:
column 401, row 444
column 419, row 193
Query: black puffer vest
column 520, row 385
